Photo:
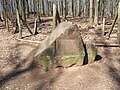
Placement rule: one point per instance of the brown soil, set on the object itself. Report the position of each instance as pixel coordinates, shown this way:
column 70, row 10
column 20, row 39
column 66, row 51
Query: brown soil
column 103, row 74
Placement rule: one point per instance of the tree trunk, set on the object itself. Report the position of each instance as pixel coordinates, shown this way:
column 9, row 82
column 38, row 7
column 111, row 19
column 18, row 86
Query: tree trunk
column 11, row 6
column 27, row 7
column 23, row 9
column 91, row 11
column 96, row 20
column 35, row 27
column 79, row 7
column 47, row 5
column 59, row 7
column 54, row 15
column 6, row 14
column 43, row 9
column 87, row 8
column 118, row 34
column 75, row 7
column 72, row 8
column 38, row 10
column 58, row 17
column 31, row 6
column 111, row 8
column 34, row 7
column 102, row 9
column 103, row 28
column 18, row 20
column 64, row 10
column 51, row 8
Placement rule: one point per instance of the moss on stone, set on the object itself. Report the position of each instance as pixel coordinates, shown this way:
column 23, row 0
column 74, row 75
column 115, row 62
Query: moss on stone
column 45, row 62
column 92, row 55
column 68, row 60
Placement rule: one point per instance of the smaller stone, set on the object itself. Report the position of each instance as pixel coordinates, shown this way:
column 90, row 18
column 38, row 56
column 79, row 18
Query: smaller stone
column 92, row 53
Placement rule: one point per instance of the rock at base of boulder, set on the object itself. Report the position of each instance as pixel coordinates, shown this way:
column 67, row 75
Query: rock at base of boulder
column 91, row 53
column 69, row 60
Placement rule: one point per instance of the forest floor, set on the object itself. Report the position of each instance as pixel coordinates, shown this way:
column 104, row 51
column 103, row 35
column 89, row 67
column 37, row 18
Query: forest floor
column 103, row 74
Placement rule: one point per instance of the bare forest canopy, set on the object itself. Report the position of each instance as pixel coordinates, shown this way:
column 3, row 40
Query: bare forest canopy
column 76, row 7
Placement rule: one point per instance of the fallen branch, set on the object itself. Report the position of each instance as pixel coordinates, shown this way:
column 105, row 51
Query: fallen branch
column 26, row 25
column 38, row 42
column 107, row 45
column 113, row 24
column 89, row 33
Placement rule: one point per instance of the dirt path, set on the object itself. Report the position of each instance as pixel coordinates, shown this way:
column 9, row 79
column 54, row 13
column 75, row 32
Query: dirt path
column 101, row 75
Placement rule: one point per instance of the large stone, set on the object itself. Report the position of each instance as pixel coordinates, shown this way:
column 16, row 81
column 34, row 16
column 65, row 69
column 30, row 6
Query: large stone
column 69, row 48
column 46, row 51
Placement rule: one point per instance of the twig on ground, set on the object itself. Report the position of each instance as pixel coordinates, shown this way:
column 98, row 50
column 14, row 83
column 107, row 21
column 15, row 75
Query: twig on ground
column 38, row 42
column 107, row 45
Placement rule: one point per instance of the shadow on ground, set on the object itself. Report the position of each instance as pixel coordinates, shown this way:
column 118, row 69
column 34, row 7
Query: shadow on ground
column 14, row 73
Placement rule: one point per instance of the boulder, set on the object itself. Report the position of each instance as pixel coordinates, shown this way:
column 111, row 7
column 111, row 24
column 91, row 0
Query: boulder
column 64, row 47
column 70, row 48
